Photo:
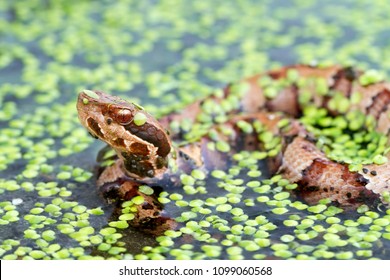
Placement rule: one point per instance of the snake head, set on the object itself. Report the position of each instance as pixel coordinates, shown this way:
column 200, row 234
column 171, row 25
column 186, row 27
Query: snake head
column 137, row 137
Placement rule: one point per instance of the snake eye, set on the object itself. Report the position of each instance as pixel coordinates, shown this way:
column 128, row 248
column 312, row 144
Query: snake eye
column 123, row 116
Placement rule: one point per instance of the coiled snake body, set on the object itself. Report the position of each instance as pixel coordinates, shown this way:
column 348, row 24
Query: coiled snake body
column 146, row 154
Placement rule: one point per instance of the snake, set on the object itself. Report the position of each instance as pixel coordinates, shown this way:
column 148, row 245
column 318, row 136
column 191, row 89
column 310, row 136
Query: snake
column 152, row 154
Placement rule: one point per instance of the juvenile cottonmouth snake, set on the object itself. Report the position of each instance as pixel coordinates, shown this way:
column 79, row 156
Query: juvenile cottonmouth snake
column 147, row 155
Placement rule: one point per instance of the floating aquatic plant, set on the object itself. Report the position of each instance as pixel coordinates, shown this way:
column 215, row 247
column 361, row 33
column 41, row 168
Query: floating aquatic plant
column 172, row 53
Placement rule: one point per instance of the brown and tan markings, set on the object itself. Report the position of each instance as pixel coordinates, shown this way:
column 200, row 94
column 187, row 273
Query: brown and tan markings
column 146, row 155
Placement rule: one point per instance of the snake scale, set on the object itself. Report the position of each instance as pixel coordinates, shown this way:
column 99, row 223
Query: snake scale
column 146, row 153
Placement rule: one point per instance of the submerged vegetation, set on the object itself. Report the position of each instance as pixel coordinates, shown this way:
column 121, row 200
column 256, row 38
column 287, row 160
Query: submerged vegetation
column 163, row 55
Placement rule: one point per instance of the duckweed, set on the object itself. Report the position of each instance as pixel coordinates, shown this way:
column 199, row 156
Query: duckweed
column 139, row 119
column 138, row 200
column 222, row 146
column 290, row 223
column 344, row 255
column 364, row 220
column 371, row 76
column 119, row 224
column 43, row 149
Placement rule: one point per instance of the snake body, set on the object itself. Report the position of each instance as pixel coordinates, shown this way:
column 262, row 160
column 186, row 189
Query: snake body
column 146, row 154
